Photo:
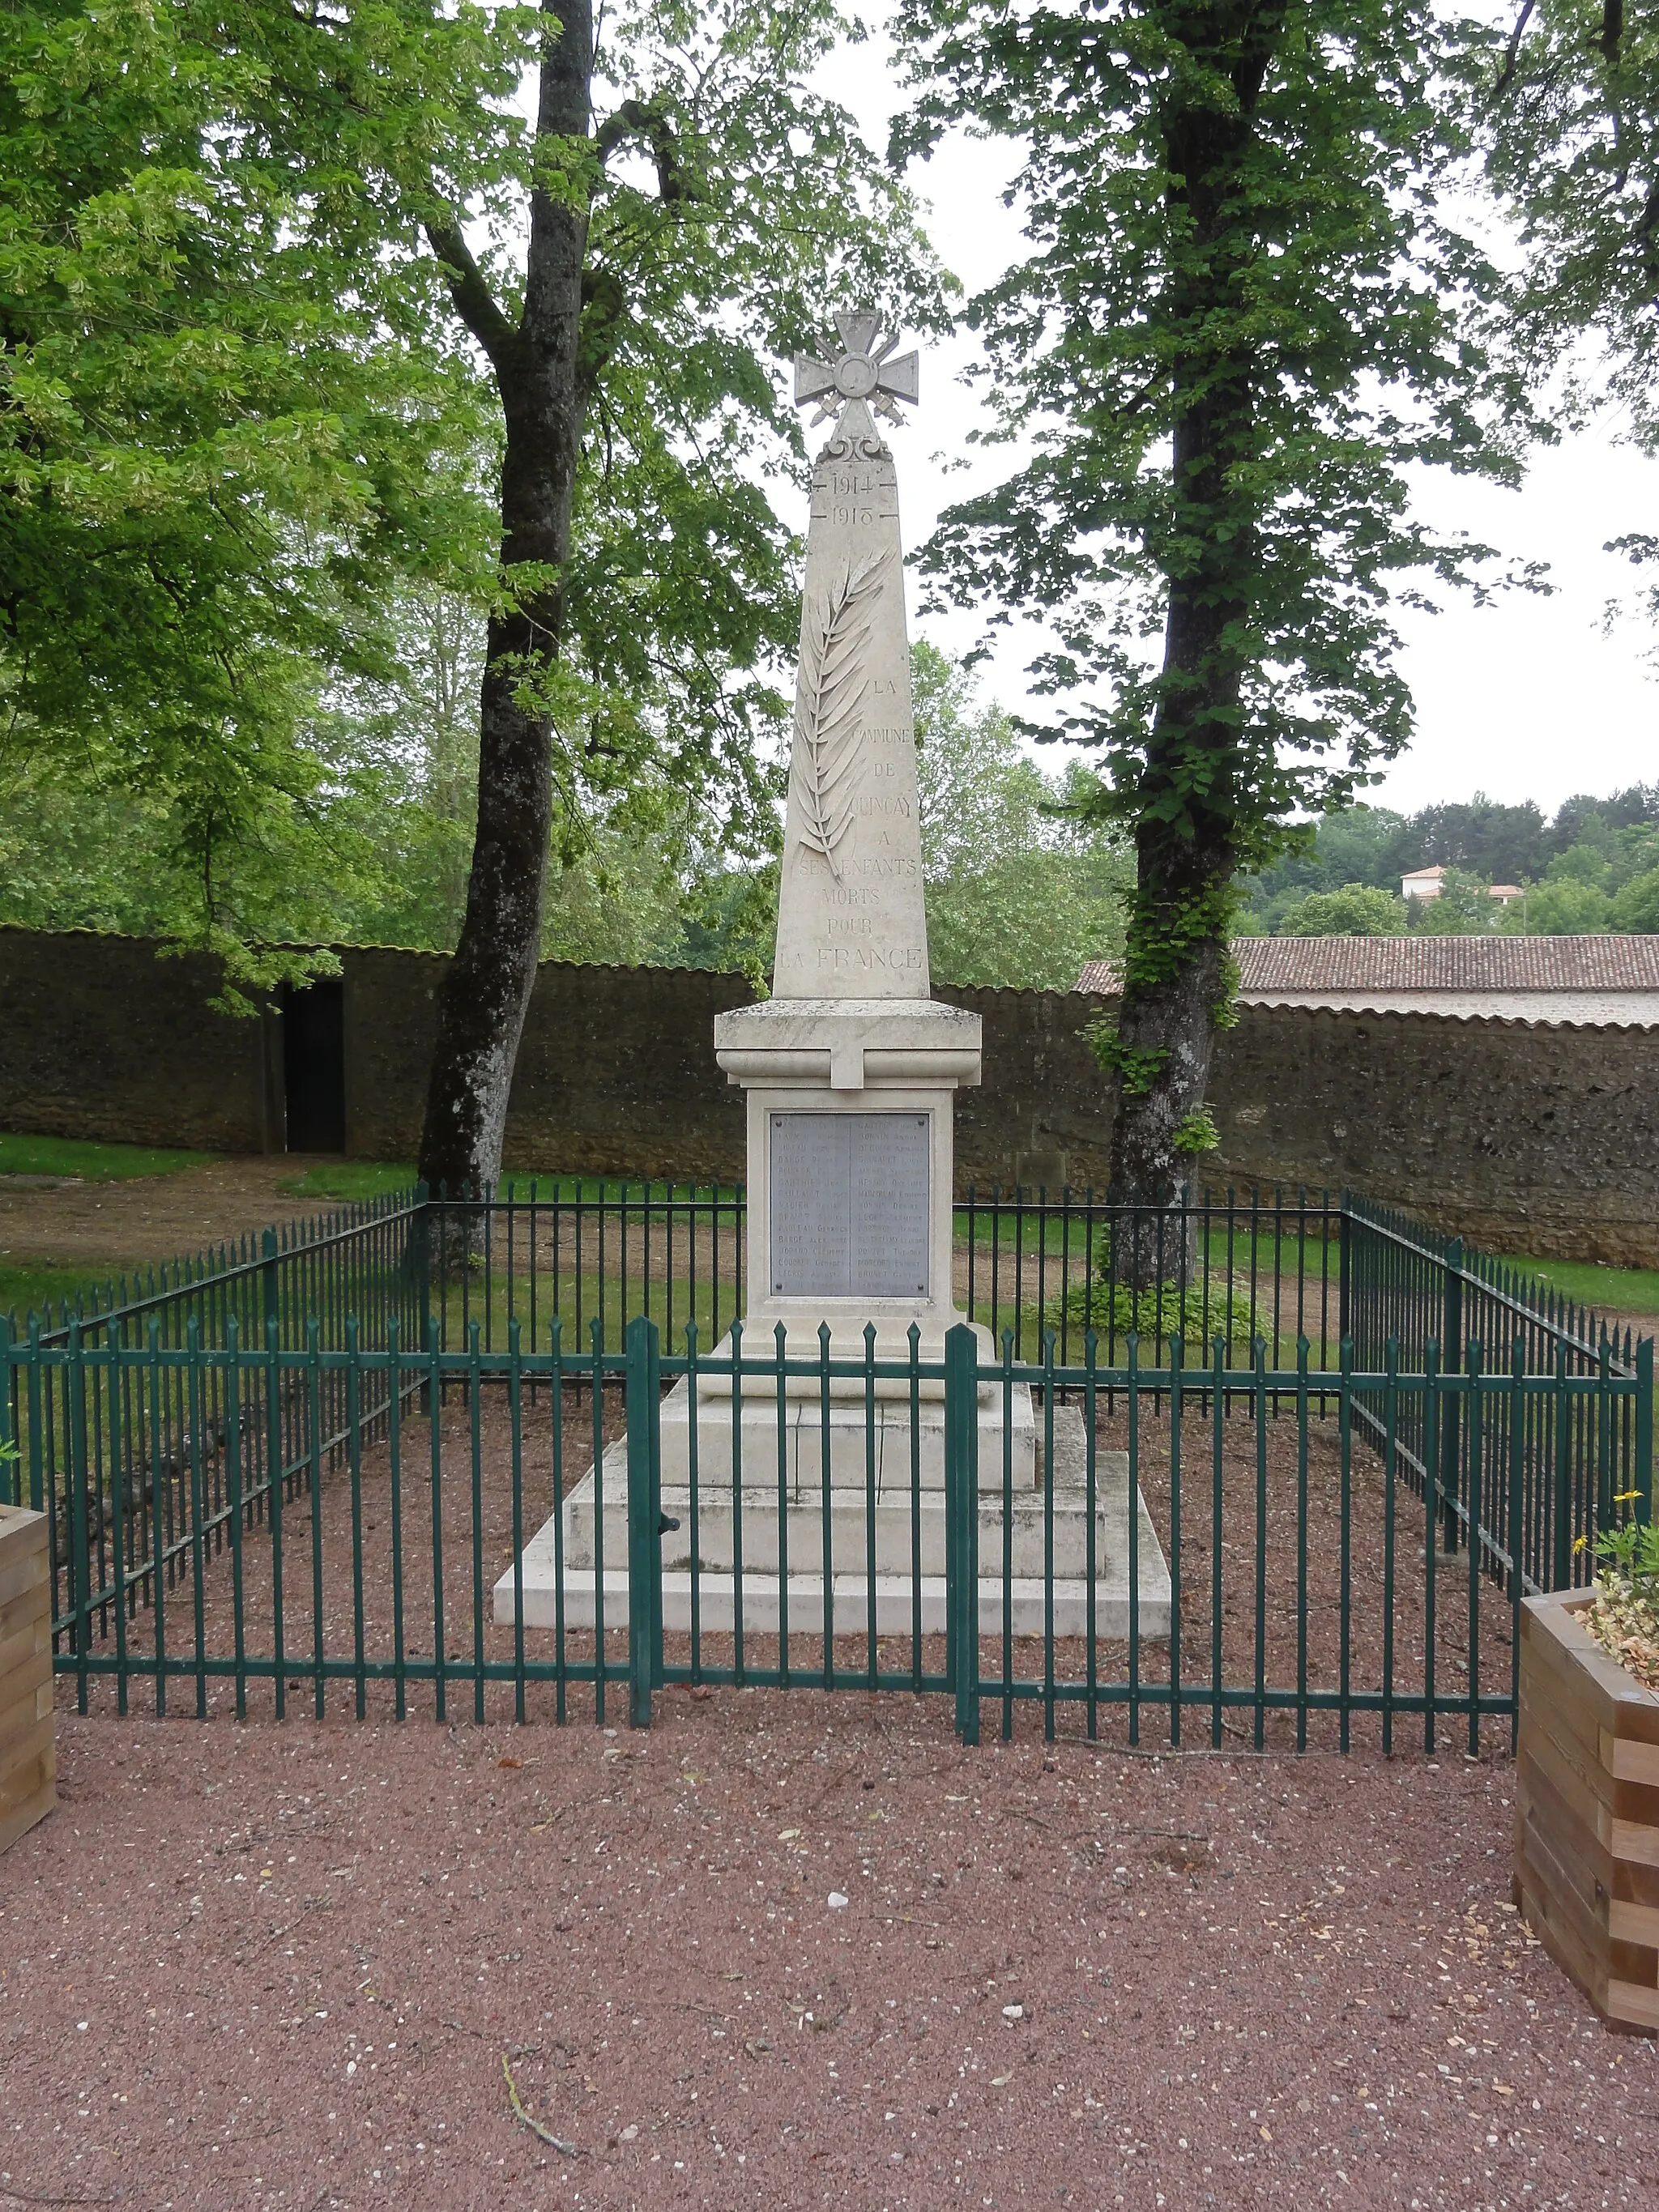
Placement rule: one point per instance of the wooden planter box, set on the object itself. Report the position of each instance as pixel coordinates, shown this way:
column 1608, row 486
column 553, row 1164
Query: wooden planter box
column 1587, row 1813
column 28, row 1755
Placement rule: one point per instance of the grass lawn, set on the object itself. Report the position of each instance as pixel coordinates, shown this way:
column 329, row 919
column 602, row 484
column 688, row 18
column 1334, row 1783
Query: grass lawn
column 353, row 1179
column 67, row 1156
column 1607, row 1289
column 30, row 1286
column 350, row 1179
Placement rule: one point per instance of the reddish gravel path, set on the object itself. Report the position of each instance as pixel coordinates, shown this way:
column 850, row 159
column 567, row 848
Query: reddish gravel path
column 280, row 1964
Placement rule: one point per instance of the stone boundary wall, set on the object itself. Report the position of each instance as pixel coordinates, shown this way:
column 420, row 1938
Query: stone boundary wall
column 1523, row 1138
column 100, row 1039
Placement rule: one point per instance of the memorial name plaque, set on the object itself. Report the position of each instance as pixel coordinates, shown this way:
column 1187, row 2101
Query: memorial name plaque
column 850, row 1214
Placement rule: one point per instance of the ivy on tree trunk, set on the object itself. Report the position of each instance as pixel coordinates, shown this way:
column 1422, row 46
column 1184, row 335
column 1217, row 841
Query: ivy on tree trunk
column 1192, row 790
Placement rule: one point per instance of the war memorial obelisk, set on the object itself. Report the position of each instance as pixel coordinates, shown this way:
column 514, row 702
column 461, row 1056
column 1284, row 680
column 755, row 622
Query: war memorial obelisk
column 851, row 1067
column 850, row 1072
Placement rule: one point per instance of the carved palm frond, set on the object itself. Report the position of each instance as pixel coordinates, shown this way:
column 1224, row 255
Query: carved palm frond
column 833, row 676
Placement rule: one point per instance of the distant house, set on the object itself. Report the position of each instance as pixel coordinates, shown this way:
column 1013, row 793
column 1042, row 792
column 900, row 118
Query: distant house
column 1591, row 982
column 1428, row 882
column 1422, row 883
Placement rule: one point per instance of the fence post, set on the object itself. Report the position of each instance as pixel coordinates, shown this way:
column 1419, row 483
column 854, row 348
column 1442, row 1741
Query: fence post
column 421, row 1252
column 1451, row 1409
column 1561, row 1484
column 270, row 1293
column 1344, row 1273
column 644, row 1520
column 961, row 1526
column 1641, row 1474
column 80, row 1481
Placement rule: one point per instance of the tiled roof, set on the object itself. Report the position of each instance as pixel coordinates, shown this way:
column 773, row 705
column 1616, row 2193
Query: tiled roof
column 1429, row 963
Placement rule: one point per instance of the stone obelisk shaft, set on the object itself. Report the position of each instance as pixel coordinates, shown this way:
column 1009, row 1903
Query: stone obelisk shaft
column 851, row 923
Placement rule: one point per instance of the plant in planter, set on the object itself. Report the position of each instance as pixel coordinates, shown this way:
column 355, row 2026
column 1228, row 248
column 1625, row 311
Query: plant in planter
column 1587, row 1794
column 1623, row 1615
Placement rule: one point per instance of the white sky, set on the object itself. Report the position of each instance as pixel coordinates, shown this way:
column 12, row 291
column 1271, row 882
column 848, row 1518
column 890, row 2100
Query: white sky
column 1529, row 698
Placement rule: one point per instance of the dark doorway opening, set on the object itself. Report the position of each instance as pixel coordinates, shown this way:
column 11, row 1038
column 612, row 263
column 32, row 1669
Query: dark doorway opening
column 313, row 1067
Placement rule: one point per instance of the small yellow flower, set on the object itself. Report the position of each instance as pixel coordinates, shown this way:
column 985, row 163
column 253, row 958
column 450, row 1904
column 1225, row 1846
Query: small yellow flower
column 1580, row 1543
column 1624, row 1497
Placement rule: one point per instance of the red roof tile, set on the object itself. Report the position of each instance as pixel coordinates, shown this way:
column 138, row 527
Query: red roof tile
column 1429, row 963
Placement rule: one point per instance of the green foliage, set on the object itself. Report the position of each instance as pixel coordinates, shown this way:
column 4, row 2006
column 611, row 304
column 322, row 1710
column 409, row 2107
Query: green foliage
column 246, row 537
column 1585, row 862
column 1623, row 1615
column 1312, row 268
column 1567, row 94
column 1224, row 1014
column 1137, row 1070
column 210, row 437
column 1636, row 906
column 1632, row 1552
column 1023, row 885
column 1569, row 107
column 1356, row 910
column 1603, row 842
column 1196, row 1133
column 1197, row 1314
column 20, row 1154
column 1465, row 907
column 1565, row 907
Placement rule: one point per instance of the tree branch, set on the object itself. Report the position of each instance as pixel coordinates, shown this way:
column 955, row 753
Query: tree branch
column 604, row 305
column 638, row 119
column 1612, row 30
column 475, row 303
column 1512, row 52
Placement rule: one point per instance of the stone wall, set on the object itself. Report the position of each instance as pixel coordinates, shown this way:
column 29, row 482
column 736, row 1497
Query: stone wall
column 615, row 1073
column 100, row 1039
column 1524, row 1139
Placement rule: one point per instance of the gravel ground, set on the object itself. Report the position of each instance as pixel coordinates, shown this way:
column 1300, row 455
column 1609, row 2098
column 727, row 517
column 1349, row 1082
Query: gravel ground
column 282, row 1965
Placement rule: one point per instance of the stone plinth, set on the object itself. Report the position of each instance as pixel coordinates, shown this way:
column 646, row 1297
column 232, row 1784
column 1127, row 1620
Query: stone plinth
column 851, row 1171
column 783, row 1514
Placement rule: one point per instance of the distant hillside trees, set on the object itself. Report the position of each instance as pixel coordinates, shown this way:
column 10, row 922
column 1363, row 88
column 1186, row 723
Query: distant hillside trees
column 1594, row 868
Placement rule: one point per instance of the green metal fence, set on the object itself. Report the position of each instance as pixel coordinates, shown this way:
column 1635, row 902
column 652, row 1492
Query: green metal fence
column 1249, row 1562
column 140, row 1463
column 303, row 1470
column 1439, row 1306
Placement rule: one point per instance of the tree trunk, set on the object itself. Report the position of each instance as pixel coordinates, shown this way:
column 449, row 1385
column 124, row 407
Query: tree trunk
column 1177, row 961
column 539, row 372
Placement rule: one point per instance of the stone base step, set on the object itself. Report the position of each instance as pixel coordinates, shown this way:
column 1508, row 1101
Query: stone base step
column 908, row 1533
column 850, row 1599
column 853, row 1441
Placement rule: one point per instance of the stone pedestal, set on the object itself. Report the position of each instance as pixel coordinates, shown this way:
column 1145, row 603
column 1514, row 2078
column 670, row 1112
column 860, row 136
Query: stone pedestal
column 783, row 1509
column 851, row 1172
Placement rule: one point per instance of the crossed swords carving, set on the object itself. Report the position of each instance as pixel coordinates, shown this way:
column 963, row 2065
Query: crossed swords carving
column 862, row 370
